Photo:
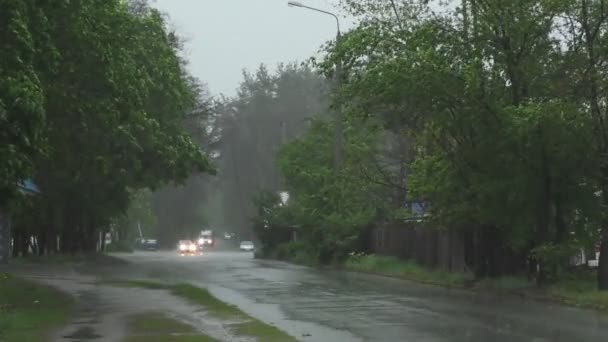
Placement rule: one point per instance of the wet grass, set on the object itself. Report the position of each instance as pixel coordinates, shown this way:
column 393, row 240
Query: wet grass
column 580, row 292
column 575, row 288
column 505, row 284
column 28, row 311
column 395, row 267
column 138, row 284
column 202, row 297
column 170, row 338
column 52, row 259
column 158, row 327
column 264, row 332
column 63, row 259
column 244, row 325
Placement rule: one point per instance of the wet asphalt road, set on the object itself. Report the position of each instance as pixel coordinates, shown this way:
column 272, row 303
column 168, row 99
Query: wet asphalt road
column 337, row 306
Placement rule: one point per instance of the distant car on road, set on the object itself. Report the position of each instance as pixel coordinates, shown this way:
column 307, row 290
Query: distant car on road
column 206, row 238
column 187, row 247
column 149, row 244
column 247, row 246
column 145, row 244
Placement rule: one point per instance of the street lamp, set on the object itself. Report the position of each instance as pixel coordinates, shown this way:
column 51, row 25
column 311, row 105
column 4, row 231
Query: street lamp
column 301, row 5
column 338, row 76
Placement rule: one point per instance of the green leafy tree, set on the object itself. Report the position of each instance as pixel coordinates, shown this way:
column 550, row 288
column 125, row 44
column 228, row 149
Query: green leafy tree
column 22, row 37
column 116, row 99
column 139, row 215
column 334, row 208
column 269, row 110
column 484, row 92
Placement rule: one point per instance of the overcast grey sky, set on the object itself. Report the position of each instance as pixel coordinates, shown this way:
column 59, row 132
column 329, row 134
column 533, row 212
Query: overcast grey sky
column 227, row 36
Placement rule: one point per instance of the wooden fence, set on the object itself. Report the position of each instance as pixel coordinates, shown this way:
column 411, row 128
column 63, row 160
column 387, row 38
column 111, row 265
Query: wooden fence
column 416, row 241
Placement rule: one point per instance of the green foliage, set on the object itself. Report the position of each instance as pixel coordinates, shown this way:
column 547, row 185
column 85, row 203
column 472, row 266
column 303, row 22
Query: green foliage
column 119, row 247
column 93, row 101
column 332, row 208
column 297, row 252
column 506, row 143
column 140, row 213
column 22, row 99
column 270, row 109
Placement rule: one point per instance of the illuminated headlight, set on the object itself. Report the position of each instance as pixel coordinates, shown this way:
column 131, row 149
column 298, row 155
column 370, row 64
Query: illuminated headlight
column 201, row 241
column 182, row 247
column 192, row 248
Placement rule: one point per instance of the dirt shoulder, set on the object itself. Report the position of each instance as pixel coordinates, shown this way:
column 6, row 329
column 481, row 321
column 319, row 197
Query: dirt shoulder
column 107, row 312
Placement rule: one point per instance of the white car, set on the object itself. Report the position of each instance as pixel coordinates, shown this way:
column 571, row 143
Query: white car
column 187, row 247
column 247, row 246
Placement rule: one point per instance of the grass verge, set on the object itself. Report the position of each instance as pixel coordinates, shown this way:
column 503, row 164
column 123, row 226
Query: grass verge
column 157, row 327
column 63, row 259
column 575, row 289
column 583, row 293
column 391, row 266
column 28, row 311
column 244, row 325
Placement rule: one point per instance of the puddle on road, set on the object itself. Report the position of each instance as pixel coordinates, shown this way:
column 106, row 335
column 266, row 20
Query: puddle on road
column 273, row 315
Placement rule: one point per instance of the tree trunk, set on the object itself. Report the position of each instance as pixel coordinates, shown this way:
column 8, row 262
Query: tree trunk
column 16, row 245
column 561, row 233
column 34, row 243
column 480, row 262
column 544, row 209
column 103, row 240
column 602, row 271
column 486, row 247
column 23, row 241
column 51, row 241
column 42, row 242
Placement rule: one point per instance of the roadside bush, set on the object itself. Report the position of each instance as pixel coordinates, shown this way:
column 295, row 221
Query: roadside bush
column 554, row 259
column 269, row 225
column 298, row 252
column 119, row 247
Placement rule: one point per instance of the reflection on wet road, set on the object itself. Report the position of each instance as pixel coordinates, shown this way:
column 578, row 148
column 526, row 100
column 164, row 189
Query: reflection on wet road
column 342, row 306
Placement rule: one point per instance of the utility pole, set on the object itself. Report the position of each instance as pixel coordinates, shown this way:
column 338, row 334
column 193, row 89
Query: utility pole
column 283, row 132
column 338, row 112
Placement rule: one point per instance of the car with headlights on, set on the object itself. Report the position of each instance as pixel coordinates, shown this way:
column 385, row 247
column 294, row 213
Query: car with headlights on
column 206, row 238
column 247, row 246
column 187, row 247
